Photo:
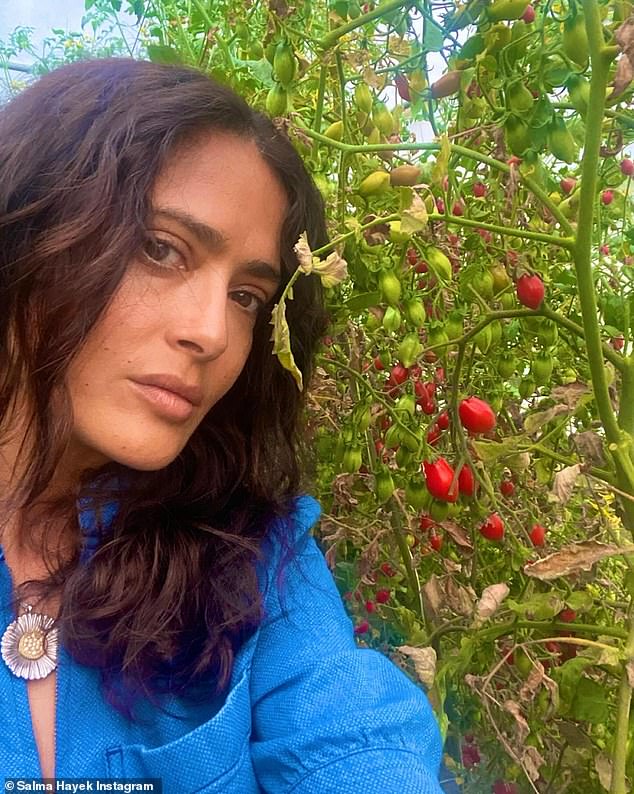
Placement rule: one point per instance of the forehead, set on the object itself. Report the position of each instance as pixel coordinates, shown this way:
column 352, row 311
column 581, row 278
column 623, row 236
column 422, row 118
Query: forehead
column 224, row 181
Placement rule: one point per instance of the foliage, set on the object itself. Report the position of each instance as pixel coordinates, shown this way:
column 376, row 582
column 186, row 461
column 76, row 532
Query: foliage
column 494, row 261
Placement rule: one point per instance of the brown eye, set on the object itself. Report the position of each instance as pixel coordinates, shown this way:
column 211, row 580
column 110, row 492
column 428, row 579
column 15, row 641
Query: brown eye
column 249, row 301
column 162, row 253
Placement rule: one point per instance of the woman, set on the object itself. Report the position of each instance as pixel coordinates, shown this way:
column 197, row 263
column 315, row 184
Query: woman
column 180, row 622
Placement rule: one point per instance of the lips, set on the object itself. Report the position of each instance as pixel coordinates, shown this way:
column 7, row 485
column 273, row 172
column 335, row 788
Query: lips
column 188, row 391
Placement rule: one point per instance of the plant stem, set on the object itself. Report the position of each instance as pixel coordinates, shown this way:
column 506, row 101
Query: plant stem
column 330, row 39
column 497, row 165
column 526, row 234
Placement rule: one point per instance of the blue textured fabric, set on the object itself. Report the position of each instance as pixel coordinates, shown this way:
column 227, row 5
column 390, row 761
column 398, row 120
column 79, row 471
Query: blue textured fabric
column 307, row 711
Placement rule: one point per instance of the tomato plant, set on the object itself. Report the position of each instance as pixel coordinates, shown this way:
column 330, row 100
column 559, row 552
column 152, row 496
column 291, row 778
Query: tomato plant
column 475, row 163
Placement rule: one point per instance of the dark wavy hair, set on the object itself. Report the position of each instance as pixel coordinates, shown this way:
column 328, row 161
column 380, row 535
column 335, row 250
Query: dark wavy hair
column 171, row 592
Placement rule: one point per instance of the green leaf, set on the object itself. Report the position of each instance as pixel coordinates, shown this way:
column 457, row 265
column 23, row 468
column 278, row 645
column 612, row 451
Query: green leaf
column 161, row 53
column 541, row 606
column 362, row 301
column 281, row 338
column 579, row 601
column 590, row 703
column 434, row 36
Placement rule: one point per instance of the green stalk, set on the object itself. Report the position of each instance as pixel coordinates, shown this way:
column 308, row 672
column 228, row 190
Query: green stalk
column 526, row 234
column 619, row 445
column 497, row 165
column 330, row 39
column 319, row 107
column 619, row 441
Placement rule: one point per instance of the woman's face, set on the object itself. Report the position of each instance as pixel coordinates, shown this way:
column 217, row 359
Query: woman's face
column 185, row 309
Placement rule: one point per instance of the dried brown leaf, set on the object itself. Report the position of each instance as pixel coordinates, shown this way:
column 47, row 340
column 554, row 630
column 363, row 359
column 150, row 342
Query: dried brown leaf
column 623, row 76
column 433, row 595
column 532, row 760
column 565, row 481
column 573, row 559
column 589, row 446
column 603, row 766
column 457, row 534
column 490, row 600
column 521, row 725
column 533, row 683
column 424, row 660
column 459, row 599
column 570, row 394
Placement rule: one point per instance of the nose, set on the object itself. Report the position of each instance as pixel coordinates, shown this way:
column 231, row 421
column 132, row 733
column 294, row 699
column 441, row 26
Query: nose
column 200, row 325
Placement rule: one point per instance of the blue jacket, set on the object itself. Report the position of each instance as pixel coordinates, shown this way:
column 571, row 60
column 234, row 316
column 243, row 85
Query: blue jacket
column 307, row 711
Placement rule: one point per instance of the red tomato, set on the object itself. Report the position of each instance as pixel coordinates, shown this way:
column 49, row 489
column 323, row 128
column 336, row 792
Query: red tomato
column 433, row 434
column 627, row 167
column 439, row 477
column 466, row 481
column 362, row 628
column 378, row 364
column 426, row 522
column 476, row 415
column 493, row 528
column 402, row 86
column 382, row 596
column 530, row 290
column 529, row 15
column 435, row 541
column 507, row 488
column 443, row 420
column 479, row 190
column 399, row 374
column 537, row 535
column 568, row 184
column 567, row 615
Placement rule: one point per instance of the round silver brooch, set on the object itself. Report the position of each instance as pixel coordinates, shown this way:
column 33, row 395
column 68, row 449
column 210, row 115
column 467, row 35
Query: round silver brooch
column 29, row 645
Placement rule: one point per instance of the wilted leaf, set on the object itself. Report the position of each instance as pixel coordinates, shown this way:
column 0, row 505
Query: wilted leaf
column 520, row 722
column 370, row 77
column 303, row 253
column 459, row 599
column 623, row 75
column 624, row 36
column 490, row 600
column 573, row 559
column 603, row 766
column 440, row 169
column 533, row 683
column 570, row 394
column 574, row 736
column 457, row 534
column 424, row 660
column 535, row 421
column 281, row 338
column 589, row 446
column 491, row 451
column 414, row 219
column 433, row 595
column 532, row 760
column 564, row 483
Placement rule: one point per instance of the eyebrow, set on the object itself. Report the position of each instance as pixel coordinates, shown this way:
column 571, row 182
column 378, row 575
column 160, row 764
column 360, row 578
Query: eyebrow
column 213, row 239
